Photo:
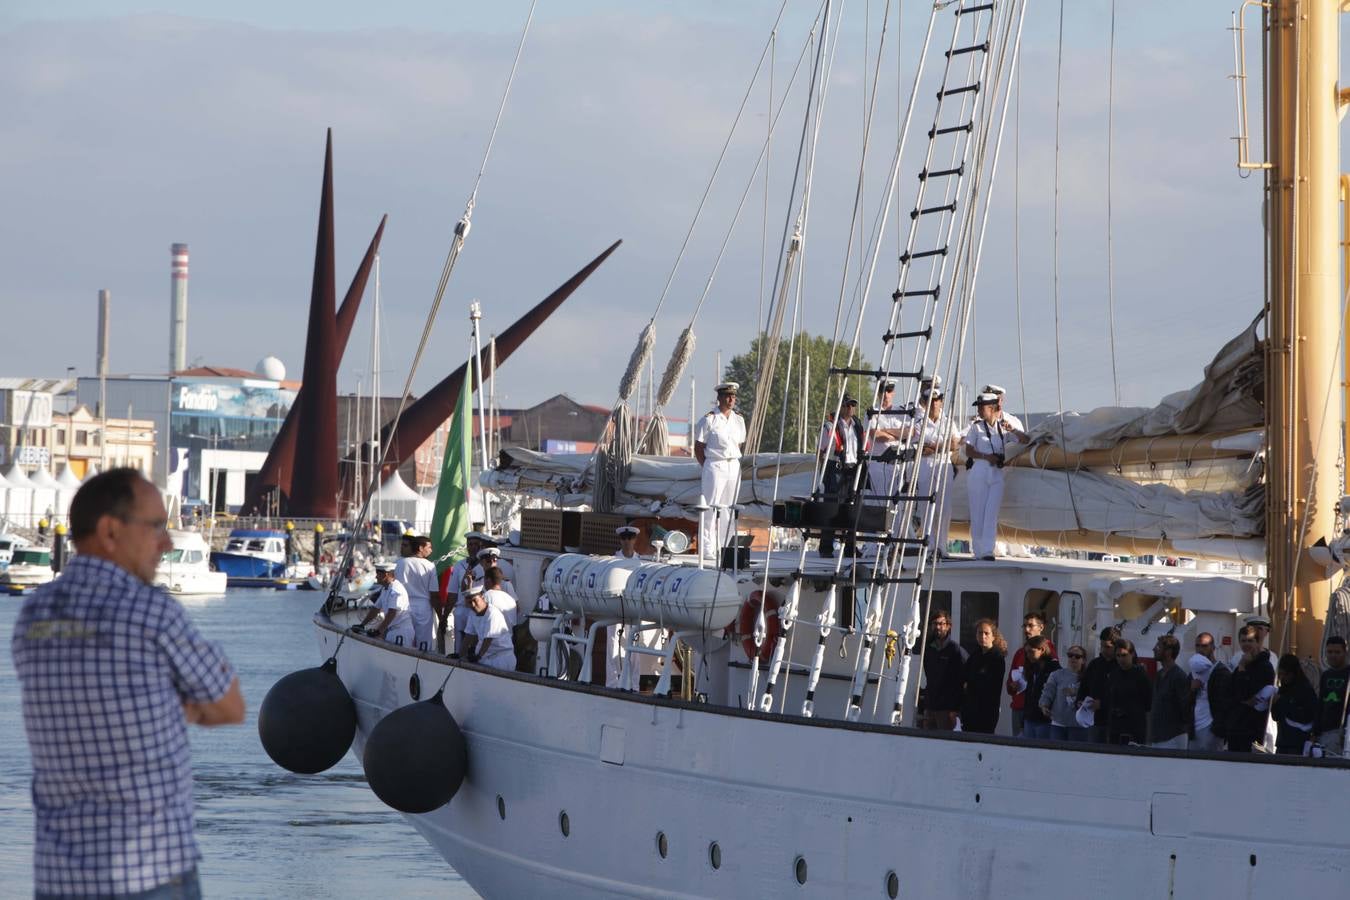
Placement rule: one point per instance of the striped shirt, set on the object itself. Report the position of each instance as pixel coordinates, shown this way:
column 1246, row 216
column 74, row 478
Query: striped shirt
column 105, row 663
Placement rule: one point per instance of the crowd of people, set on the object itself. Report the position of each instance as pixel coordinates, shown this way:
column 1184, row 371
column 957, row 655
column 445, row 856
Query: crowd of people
column 1201, row 703
column 861, row 457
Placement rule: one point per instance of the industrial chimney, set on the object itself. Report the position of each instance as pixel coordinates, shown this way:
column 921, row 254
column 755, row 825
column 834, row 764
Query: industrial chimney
column 178, row 283
column 104, row 323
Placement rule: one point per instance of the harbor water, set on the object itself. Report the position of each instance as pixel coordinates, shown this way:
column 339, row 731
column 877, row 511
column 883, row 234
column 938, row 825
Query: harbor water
column 263, row 832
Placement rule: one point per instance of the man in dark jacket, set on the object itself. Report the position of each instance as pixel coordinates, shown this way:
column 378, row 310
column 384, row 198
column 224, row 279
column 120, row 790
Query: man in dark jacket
column 1128, row 697
column 1093, row 685
column 1253, row 687
column 944, row 663
column 1169, row 721
column 1331, row 689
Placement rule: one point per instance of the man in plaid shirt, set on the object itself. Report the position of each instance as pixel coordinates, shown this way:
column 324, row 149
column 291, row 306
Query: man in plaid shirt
column 112, row 673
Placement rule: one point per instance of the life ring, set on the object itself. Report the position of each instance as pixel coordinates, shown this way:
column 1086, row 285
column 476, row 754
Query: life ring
column 745, row 625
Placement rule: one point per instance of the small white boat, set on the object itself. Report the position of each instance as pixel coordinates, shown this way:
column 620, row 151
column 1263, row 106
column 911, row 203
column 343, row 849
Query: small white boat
column 28, row 567
column 186, row 569
column 8, row 544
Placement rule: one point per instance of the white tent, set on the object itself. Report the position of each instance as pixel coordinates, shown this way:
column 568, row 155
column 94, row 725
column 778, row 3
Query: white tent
column 19, row 497
column 477, row 511
column 395, row 500
column 67, row 484
column 48, row 494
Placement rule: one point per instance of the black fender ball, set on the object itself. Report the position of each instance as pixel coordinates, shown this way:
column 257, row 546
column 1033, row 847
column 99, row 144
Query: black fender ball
column 307, row 720
column 416, row 757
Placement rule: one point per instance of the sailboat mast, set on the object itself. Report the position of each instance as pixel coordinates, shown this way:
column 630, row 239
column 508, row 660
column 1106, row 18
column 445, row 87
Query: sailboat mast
column 1302, row 417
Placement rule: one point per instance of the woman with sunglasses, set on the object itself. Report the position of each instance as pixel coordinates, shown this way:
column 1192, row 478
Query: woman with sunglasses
column 1059, row 698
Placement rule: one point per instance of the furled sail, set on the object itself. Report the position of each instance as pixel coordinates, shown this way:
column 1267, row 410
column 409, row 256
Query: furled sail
column 1227, row 399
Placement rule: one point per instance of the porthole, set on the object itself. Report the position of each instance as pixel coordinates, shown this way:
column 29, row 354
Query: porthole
column 977, row 798
column 715, row 855
column 799, row 868
column 892, row 885
column 564, row 823
column 415, row 687
column 662, row 845
column 501, row 808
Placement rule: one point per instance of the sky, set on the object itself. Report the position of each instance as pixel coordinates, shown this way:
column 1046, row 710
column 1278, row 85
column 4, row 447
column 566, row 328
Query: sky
column 131, row 126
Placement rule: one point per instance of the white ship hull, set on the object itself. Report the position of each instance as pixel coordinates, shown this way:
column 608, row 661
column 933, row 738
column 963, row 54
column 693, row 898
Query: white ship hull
column 953, row 816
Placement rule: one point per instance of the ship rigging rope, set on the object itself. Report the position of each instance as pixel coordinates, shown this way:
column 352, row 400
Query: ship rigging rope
column 1059, row 370
column 1008, row 56
column 456, row 245
column 1110, row 244
column 684, row 346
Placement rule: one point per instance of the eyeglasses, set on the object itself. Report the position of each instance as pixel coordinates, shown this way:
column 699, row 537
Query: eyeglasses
column 159, row 525
column 1075, row 656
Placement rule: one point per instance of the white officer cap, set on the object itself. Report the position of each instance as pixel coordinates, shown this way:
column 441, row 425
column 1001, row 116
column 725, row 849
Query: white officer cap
column 985, row 399
column 474, row 589
column 384, row 565
column 932, row 392
column 489, row 551
column 627, row 531
column 473, row 536
column 729, row 387
column 994, row 389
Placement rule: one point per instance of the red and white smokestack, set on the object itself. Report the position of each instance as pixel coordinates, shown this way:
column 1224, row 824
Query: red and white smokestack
column 178, row 287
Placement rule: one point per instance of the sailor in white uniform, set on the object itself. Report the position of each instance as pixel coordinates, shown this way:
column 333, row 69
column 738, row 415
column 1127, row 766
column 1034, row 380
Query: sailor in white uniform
column 417, row 574
column 461, row 573
column 719, row 438
column 986, row 443
column 490, row 558
column 1011, row 424
column 936, row 439
column 888, row 429
column 492, row 645
column 392, row 604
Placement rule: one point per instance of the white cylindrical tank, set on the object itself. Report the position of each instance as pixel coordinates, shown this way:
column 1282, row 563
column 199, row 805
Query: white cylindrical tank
column 677, row 596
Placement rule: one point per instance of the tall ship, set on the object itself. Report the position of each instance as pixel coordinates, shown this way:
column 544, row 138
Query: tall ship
column 777, row 751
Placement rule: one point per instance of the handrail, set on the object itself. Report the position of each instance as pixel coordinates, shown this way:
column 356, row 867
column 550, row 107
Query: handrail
column 1239, row 77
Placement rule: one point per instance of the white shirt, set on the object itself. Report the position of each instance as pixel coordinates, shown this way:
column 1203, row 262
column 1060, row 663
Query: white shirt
column 848, row 436
column 395, row 596
column 1011, row 422
column 888, row 420
column 721, row 436
column 505, row 603
column 508, row 572
column 418, row 577
column 986, row 438
column 936, row 434
column 492, row 625
column 455, row 585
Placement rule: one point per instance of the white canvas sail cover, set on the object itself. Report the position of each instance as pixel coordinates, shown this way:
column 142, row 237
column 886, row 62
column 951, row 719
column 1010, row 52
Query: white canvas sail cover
column 1034, row 500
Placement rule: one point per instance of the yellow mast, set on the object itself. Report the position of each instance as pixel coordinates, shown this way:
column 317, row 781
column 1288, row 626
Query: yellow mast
column 1302, row 418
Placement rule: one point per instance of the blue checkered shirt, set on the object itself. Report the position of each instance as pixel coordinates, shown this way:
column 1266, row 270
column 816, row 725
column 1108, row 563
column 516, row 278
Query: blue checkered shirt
column 105, row 663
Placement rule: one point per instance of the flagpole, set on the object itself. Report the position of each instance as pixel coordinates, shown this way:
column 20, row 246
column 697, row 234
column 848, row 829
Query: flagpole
column 475, row 315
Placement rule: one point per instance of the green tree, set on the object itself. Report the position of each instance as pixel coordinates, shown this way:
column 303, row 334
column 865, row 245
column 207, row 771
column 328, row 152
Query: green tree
column 745, row 368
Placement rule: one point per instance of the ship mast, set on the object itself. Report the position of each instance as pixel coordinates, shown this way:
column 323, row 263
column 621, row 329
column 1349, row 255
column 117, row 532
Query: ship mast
column 1302, row 417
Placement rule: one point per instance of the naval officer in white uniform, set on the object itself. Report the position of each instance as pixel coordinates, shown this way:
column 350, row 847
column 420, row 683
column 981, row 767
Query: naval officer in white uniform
column 888, row 430
column 392, row 604
column 719, row 438
column 986, row 444
column 1011, row 424
column 936, row 439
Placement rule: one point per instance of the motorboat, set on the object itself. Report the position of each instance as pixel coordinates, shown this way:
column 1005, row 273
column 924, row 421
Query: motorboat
column 186, row 569
column 259, row 553
column 8, row 544
column 29, row 566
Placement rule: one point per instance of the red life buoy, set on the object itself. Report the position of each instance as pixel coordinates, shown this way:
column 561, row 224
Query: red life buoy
column 745, row 624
